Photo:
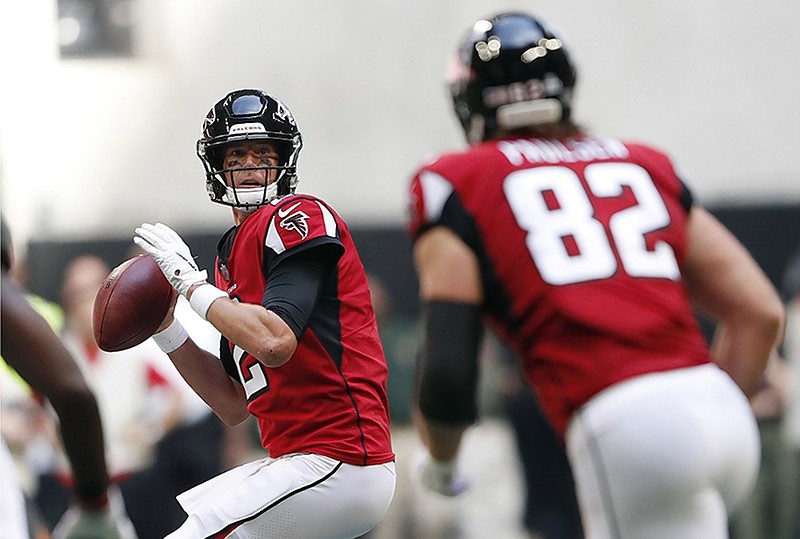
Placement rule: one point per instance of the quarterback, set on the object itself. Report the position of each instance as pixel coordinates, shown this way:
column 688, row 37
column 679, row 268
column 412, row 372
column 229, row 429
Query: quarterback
column 300, row 348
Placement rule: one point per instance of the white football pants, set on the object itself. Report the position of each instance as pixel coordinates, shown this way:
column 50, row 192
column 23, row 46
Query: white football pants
column 299, row 496
column 664, row 456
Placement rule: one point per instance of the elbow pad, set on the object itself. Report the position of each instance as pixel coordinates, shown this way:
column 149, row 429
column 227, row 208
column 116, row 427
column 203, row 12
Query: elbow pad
column 447, row 364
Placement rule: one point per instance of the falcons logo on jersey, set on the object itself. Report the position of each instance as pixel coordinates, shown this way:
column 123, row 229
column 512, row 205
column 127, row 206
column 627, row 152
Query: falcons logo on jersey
column 297, row 221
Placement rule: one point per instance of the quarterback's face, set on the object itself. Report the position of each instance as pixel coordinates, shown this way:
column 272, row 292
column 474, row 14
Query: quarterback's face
column 251, row 153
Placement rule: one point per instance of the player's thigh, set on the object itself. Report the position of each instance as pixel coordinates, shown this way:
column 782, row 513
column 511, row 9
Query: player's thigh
column 663, row 456
column 346, row 504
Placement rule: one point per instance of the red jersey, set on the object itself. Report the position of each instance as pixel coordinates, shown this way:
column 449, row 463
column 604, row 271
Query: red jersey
column 580, row 244
column 330, row 397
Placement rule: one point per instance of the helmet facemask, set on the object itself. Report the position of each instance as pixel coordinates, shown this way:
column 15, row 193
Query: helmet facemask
column 219, row 180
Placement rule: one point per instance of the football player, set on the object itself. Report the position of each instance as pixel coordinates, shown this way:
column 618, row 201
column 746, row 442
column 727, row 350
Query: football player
column 31, row 348
column 589, row 256
column 300, row 348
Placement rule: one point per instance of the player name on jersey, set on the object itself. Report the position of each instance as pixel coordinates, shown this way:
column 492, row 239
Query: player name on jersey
column 554, row 151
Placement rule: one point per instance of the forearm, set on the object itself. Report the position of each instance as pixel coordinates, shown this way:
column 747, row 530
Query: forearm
column 258, row 331
column 441, row 440
column 206, row 375
column 726, row 284
column 743, row 349
column 82, row 436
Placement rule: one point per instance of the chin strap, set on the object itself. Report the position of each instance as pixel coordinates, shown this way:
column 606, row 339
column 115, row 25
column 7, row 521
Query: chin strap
column 249, row 199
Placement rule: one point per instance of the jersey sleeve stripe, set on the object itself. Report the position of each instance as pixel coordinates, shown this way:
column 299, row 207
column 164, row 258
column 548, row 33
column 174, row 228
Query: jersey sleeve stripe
column 435, row 190
column 328, row 219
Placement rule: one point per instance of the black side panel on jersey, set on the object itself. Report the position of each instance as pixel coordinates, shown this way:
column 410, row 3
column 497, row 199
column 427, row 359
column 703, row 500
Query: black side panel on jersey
column 225, row 245
column 457, row 219
column 226, row 357
column 447, row 366
column 325, row 319
column 294, row 284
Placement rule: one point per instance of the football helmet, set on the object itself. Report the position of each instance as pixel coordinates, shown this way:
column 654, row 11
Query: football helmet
column 510, row 71
column 249, row 114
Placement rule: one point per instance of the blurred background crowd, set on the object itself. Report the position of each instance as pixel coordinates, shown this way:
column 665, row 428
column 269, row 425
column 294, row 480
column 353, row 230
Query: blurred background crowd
column 100, row 107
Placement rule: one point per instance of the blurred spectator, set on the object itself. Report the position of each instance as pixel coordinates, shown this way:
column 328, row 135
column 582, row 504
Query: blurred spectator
column 138, row 401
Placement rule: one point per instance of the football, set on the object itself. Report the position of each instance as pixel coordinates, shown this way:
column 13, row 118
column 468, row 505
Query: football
column 130, row 305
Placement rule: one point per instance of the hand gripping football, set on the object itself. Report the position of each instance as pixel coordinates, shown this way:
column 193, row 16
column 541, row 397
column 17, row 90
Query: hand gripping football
column 131, row 303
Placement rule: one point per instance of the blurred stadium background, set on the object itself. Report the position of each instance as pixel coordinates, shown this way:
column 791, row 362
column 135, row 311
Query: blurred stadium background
column 101, row 102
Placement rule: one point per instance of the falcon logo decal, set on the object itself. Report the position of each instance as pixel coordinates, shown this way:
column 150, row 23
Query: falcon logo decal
column 282, row 114
column 297, row 221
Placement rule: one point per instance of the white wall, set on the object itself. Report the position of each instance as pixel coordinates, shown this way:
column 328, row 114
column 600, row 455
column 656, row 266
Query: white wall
column 94, row 147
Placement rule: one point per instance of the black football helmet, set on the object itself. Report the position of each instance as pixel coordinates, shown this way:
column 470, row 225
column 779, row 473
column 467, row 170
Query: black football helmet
column 510, row 71
column 249, row 115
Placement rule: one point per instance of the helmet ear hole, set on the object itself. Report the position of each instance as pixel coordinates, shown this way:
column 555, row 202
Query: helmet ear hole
column 218, row 188
column 287, row 183
column 216, row 158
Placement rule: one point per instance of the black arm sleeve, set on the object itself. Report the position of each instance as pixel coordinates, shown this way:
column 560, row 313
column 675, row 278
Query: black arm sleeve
column 447, row 366
column 294, row 283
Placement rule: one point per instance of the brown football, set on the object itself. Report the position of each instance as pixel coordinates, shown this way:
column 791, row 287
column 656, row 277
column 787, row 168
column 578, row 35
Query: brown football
column 131, row 303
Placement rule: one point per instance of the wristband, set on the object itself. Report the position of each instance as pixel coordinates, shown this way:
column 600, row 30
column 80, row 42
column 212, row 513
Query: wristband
column 203, row 296
column 171, row 338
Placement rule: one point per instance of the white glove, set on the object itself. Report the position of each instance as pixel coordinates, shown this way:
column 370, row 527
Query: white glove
column 439, row 476
column 109, row 522
column 172, row 255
